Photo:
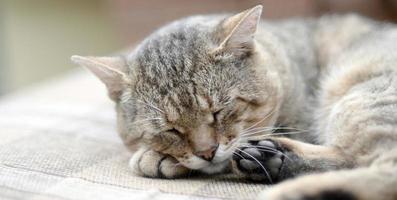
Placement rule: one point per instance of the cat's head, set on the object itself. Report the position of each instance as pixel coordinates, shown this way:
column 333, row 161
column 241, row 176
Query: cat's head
column 194, row 89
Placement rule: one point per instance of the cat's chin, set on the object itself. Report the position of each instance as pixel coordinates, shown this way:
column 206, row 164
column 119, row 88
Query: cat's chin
column 215, row 168
column 199, row 164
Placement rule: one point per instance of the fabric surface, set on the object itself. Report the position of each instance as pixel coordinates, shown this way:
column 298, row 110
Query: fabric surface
column 58, row 141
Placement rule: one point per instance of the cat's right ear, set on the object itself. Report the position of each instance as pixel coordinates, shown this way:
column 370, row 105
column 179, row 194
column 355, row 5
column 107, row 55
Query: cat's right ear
column 110, row 70
column 237, row 32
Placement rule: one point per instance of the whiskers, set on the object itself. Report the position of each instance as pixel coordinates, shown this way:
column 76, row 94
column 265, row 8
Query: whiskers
column 146, row 120
column 254, row 131
column 266, row 131
column 266, row 149
column 249, row 131
column 156, row 121
column 257, row 161
column 150, row 120
column 267, row 134
column 150, row 105
column 260, row 121
column 260, row 133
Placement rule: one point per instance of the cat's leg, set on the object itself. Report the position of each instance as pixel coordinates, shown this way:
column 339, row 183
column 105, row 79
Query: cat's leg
column 149, row 163
column 357, row 124
column 376, row 182
column 276, row 159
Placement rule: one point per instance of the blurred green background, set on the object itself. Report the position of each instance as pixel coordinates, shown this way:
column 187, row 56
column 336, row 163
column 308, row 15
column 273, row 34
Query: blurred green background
column 37, row 37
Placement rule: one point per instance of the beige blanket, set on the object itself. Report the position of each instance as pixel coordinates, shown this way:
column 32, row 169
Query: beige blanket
column 58, row 141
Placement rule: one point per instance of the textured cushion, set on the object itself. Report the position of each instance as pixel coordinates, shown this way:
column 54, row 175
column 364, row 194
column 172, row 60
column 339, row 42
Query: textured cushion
column 58, row 141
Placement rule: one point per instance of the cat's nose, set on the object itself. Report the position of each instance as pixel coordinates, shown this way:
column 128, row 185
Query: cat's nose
column 207, row 154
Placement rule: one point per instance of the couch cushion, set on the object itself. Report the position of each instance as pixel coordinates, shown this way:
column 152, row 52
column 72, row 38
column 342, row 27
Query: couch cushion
column 58, row 141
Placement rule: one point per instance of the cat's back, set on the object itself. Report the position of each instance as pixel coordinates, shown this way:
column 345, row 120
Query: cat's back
column 333, row 34
column 358, row 41
column 295, row 37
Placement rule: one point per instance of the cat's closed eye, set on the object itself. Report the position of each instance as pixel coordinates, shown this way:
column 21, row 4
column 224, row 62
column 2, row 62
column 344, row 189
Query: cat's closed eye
column 216, row 114
column 175, row 131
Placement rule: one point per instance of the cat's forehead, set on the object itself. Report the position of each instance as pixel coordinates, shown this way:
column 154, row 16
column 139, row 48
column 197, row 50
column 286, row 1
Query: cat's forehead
column 175, row 63
column 183, row 40
column 177, row 47
column 176, row 66
column 173, row 60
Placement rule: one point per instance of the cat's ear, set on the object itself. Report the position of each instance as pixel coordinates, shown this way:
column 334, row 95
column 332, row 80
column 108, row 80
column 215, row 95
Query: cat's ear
column 110, row 70
column 237, row 32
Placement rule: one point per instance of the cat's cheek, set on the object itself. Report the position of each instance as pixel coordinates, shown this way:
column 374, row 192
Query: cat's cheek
column 230, row 134
column 223, row 153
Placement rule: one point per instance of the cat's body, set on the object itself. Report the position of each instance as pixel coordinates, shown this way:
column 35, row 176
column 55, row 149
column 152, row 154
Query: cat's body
column 204, row 87
column 353, row 115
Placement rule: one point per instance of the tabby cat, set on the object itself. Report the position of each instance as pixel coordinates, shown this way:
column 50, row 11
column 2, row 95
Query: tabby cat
column 268, row 100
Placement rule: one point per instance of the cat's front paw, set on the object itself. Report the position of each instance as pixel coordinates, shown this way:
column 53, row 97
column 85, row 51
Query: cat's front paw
column 149, row 163
column 259, row 161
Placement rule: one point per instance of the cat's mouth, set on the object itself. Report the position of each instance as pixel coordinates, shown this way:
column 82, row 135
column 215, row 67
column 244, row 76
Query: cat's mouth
column 208, row 167
column 220, row 160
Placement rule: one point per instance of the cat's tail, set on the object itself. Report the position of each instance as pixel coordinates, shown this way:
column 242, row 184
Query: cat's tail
column 373, row 183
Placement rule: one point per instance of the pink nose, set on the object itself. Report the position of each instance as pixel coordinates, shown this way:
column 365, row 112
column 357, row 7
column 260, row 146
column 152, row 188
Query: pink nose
column 207, row 154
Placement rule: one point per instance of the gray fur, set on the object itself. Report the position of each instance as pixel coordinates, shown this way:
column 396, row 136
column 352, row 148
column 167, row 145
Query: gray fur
column 198, row 82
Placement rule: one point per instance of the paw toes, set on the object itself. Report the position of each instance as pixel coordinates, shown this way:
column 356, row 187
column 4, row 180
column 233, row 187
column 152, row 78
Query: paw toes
column 148, row 163
column 248, row 165
column 251, row 152
column 260, row 159
column 274, row 162
column 155, row 165
column 169, row 168
column 267, row 143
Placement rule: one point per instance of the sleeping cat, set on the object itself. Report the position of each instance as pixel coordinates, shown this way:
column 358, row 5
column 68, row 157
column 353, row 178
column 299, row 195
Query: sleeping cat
column 268, row 100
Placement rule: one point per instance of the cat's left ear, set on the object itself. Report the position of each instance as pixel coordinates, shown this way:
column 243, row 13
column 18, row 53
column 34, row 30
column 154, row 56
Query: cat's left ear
column 110, row 70
column 237, row 32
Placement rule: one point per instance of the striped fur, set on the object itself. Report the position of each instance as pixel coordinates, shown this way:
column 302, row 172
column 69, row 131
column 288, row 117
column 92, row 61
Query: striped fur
column 207, row 80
